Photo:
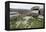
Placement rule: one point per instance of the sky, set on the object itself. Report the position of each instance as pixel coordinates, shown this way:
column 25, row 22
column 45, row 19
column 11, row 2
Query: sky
column 23, row 6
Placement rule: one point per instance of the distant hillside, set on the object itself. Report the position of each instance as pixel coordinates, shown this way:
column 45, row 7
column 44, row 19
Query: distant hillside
column 33, row 11
column 21, row 11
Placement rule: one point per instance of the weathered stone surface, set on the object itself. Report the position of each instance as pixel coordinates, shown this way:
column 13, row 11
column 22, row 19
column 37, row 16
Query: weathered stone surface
column 35, row 8
column 35, row 13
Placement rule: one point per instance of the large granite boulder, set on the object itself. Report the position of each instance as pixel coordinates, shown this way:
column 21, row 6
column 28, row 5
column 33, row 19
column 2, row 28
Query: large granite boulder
column 35, row 11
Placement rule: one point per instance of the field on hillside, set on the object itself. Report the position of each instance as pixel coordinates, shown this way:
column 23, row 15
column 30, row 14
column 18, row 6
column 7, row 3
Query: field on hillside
column 25, row 22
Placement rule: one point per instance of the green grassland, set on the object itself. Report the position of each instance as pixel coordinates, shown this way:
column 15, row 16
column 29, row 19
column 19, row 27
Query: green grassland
column 25, row 22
